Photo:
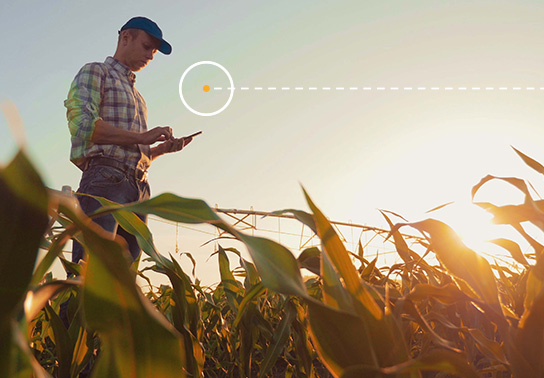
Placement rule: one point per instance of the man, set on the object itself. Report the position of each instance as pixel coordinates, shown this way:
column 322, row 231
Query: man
column 107, row 118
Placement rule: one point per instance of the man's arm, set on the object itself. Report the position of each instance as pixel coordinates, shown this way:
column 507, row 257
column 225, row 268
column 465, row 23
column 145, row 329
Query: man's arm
column 106, row 133
column 171, row 145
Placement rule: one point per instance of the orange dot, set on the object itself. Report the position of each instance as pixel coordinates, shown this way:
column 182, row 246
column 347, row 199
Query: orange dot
column 206, row 88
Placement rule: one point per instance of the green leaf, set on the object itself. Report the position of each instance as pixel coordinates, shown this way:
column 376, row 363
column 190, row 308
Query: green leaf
column 301, row 216
column 334, row 293
column 529, row 340
column 23, row 364
column 252, row 276
column 310, row 259
column 336, row 251
column 530, row 162
column 513, row 248
column 231, row 287
column 460, row 260
column 248, row 298
column 23, row 220
column 276, row 265
column 177, row 209
column 302, row 345
column 490, row 348
column 435, row 360
column 400, row 244
column 411, row 309
column 37, row 299
column 366, row 274
column 341, row 339
column 137, row 340
column 186, row 312
column 53, row 252
column 186, row 317
column 63, row 344
column 447, row 294
column 281, row 336
column 131, row 223
column 83, row 349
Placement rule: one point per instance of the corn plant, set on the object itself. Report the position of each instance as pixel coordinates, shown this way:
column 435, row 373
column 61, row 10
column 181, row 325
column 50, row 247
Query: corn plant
column 463, row 317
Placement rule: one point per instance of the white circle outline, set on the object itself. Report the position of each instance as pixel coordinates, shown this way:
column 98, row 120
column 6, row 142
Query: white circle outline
column 181, row 89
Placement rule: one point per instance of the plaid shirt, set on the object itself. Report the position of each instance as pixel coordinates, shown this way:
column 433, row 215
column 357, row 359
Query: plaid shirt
column 106, row 91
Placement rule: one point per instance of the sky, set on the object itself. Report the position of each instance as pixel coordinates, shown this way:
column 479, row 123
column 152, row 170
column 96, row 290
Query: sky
column 354, row 151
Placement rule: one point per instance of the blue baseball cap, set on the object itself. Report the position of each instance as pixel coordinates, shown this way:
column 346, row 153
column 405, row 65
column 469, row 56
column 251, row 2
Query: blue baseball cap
column 150, row 28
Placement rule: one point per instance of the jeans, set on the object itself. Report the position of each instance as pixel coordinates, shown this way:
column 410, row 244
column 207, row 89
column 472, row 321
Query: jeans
column 114, row 185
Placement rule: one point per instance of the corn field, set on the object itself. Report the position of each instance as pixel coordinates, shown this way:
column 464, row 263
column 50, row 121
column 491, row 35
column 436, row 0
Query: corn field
column 460, row 317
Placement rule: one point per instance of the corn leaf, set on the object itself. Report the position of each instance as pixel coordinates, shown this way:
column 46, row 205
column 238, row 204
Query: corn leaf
column 488, row 347
column 513, row 248
column 530, row 162
column 37, row 299
column 23, row 220
column 281, row 337
column 301, row 216
column 341, row 339
column 339, row 257
column 460, row 260
column 231, row 287
column 63, row 343
column 276, row 264
column 529, row 340
column 310, row 259
column 23, row 364
column 447, row 294
column 137, row 340
column 435, row 360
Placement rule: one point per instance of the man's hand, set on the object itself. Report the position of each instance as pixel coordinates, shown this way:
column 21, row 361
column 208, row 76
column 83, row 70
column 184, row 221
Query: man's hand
column 171, row 145
column 157, row 134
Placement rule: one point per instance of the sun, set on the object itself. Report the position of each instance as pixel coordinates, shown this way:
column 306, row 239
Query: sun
column 476, row 229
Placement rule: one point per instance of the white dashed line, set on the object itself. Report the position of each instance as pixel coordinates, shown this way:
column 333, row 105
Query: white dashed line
column 385, row 88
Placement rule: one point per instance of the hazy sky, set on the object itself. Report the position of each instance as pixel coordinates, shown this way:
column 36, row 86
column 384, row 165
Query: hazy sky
column 353, row 150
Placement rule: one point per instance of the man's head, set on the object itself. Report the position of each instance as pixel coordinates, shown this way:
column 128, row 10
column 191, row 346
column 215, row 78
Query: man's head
column 139, row 39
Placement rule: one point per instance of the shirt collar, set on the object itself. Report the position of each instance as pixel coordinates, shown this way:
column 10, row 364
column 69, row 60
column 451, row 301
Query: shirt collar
column 121, row 68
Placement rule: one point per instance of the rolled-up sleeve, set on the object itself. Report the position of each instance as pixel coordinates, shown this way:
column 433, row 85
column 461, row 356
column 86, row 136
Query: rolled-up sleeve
column 83, row 101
